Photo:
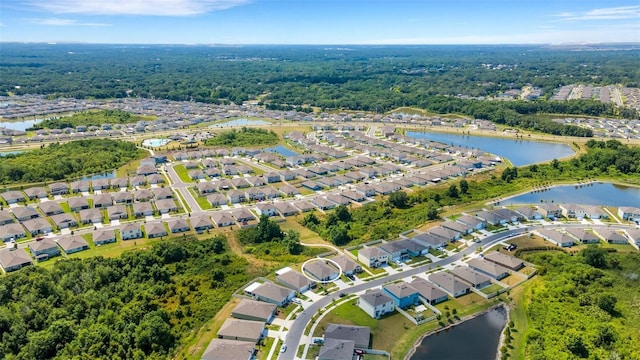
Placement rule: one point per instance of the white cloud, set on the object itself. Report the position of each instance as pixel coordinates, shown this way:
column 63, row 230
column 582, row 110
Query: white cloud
column 64, row 22
column 136, row 7
column 612, row 13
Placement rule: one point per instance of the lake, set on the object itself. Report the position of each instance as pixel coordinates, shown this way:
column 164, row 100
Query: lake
column 475, row 339
column 282, row 150
column 241, row 122
column 21, row 125
column 588, row 194
column 519, row 152
column 107, row 175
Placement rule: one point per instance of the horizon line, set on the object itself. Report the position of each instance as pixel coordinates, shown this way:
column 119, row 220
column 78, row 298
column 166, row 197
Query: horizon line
column 322, row 44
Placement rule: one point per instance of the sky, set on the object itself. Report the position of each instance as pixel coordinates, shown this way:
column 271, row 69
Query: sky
column 320, row 21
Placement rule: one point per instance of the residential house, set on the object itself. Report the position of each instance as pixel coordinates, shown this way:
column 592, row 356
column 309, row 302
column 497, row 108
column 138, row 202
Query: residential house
column 556, row 237
column 255, row 194
column 338, row 199
column 205, row 187
column 272, row 177
column 457, row 227
column 13, row 197
column 58, row 188
column 242, row 330
column 201, row 223
column 488, row 268
column 286, row 209
column 37, row 226
column 476, row 279
column 611, row 236
column 634, row 237
column 12, row 231
column 100, row 184
column 397, row 250
column 528, row 213
column 6, row 218
column 36, row 193
column 221, row 349
column 271, row 293
column 428, row 291
column 178, row 226
column 271, row 193
column 288, row 190
column 155, row 230
column 24, row 213
column 222, row 219
column 629, row 213
column 78, row 203
column 360, row 335
column 348, row 266
column 311, row 185
column 266, row 209
column 491, row 217
column 13, row 259
column 138, row 180
column 445, row 233
column 430, row 240
column 472, row 221
column 44, row 248
column 294, row 280
column 131, row 231
column 117, row 212
column 254, row 310
column 142, row 209
column 119, row 183
column 155, row 179
column 64, row 220
column 321, row 271
column 104, row 236
column 73, row 244
column 143, row 195
column 354, row 195
column 256, row 180
column 240, row 183
column 449, row 283
column 573, row 211
column 509, row 215
column 322, row 203
column 242, row 215
column 583, row 236
column 551, row 211
column 50, row 208
column 217, row 200
column 509, row 262
column 90, row 216
column 236, row 196
column 102, row 200
column 123, row 197
column 146, row 170
column 403, row 294
column 373, row 257
column 336, row 349
column 376, row 303
column 166, row 206
column 304, row 205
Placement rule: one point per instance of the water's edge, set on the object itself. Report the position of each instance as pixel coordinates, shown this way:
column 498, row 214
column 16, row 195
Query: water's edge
column 463, row 320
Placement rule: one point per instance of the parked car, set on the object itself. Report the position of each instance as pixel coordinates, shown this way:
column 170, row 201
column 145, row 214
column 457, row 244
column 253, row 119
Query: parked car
column 283, row 348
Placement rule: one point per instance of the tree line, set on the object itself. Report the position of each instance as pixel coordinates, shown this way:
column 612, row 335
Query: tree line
column 88, row 118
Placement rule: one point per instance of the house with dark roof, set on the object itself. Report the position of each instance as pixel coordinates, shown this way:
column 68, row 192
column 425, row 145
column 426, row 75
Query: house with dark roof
column 449, row 283
column 360, row 335
column 428, row 291
column 336, row 349
column 403, row 294
column 376, row 303
column 104, row 236
column 253, row 310
column 59, row 188
column 73, row 244
column 14, row 259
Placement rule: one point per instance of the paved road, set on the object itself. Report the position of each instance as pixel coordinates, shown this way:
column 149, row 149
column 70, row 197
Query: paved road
column 297, row 328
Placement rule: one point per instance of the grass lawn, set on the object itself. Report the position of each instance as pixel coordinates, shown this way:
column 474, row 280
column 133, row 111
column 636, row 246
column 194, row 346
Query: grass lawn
column 304, row 191
column 491, row 289
column 512, row 280
column 186, row 205
column 526, row 241
column 306, row 236
column 349, row 313
column 182, row 172
column 201, row 200
column 285, row 311
column 263, row 351
column 313, row 352
column 518, row 314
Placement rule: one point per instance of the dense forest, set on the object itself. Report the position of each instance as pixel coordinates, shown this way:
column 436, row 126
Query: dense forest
column 365, row 78
column 88, row 118
column 400, row 211
column 141, row 305
column 62, row 161
column 584, row 306
column 244, row 137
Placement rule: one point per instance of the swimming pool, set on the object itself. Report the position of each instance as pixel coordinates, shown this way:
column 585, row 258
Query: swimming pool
column 155, row 142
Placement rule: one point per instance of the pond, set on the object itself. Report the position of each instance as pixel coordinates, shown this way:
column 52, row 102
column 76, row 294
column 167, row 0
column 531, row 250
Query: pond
column 475, row 339
column 607, row 194
column 155, row 142
column 241, row 122
column 282, row 150
column 7, row 153
column 519, row 152
column 21, row 125
column 107, row 175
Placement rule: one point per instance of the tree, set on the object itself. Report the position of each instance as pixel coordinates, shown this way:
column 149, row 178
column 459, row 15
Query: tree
column 153, row 333
column 432, row 211
column 452, row 191
column 292, row 242
column 576, row 345
column 606, row 336
column 339, row 235
column 607, row 302
column 398, row 199
column 595, row 256
column 464, row 186
column 343, row 214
